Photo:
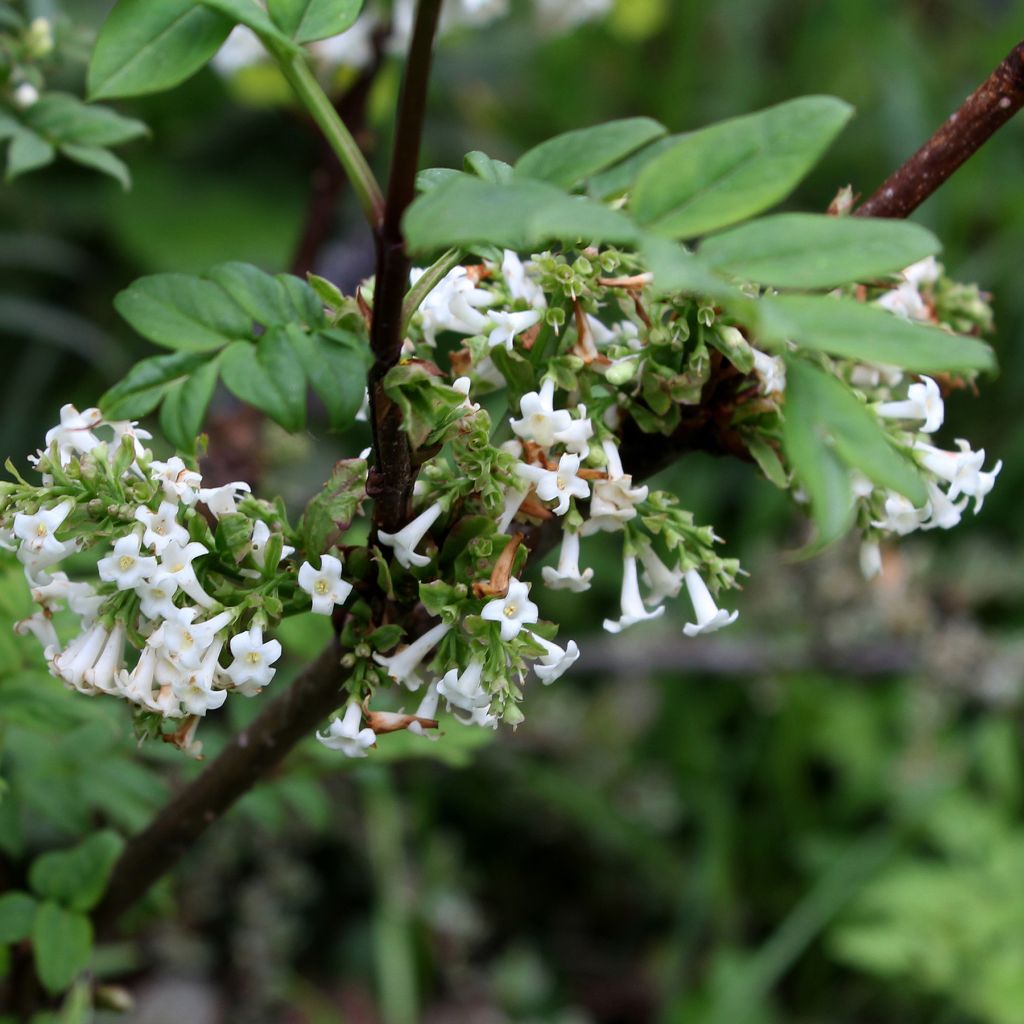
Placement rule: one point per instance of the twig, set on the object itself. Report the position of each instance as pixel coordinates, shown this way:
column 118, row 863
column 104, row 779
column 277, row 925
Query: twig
column 391, row 479
column 249, row 756
column 986, row 110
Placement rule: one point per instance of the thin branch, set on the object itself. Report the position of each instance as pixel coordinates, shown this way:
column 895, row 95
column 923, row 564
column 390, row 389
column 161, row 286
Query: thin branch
column 986, row 110
column 391, row 480
column 250, row 755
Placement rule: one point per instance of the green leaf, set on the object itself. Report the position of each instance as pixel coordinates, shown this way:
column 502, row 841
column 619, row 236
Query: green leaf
column 568, row 159
column 61, row 945
column 77, row 877
column 732, row 170
column 99, row 159
column 618, row 179
column 767, row 459
column 140, row 391
column 17, row 911
column 28, row 152
column 62, row 117
column 522, row 215
column 845, row 327
column 149, row 45
column 822, row 407
column 185, row 405
column 809, row 250
column 183, row 312
column 330, row 512
column 335, row 363
column 308, row 20
column 262, row 296
column 269, row 376
column 483, row 166
column 251, row 14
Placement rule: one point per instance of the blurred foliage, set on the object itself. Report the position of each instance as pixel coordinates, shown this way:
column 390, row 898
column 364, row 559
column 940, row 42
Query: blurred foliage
column 773, row 842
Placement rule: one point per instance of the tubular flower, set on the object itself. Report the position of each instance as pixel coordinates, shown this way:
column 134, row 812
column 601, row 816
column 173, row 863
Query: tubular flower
column 560, row 485
column 661, row 581
column 465, row 690
column 178, row 481
column 513, row 611
column 540, row 420
column 345, row 735
column 901, row 517
column 961, row 469
column 74, row 434
column 37, row 533
column 126, row 567
column 567, row 575
column 615, row 499
column 324, row 585
column 185, row 641
column 176, row 561
column 633, row 610
column 402, row 666
column 195, row 689
column 223, row 501
column 923, row 402
column 709, row 616
column 162, row 526
column 556, row 661
column 405, row 540
column 252, row 668
column 509, row 325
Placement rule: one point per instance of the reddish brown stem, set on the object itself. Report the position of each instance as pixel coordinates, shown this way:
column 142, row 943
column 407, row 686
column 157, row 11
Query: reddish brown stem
column 986, row 110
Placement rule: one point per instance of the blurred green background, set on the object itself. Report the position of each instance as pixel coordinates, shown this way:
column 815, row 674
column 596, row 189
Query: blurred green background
column 815, row 817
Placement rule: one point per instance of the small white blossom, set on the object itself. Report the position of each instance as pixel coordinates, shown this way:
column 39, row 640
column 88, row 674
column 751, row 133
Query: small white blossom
column 427, row 709
column 252, row 668
column 567, row 575
column 556, row 661
column 465, row 690
column 156, row 595
column 223, row 501
column 961, row 469
column 26, row 95
column 261, row 533
column 178, row 481
column 576, row 436
column 126, row 567
column 345, row 735
column 615, row 499
column 402, row 666
column 405, row 540
column 870, row 559
column 104, row 672
column 923, row 272
column 37, row 532
column 79, row 656
column 508, row 326
column 40, row 625
column 661, row 581
column 901, row 517
column 324, row 585
column 560, row 485
column 513, row 611
column 514, row 498
column 540, row 420
column 709, row 616
column 943, row 514
column 35, row 562
column 195, row 688
column 176, row 561
column 632, row 605
column 74, row 434
column 905, row 301
column 771, row 370
column 923, row 402
column 185, row 641
column 519, row 283
column 162, row 526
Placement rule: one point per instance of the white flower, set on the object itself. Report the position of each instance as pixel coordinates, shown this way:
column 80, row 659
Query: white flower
column 452, row 305
column 514, row 498
column 961, row 469
column 82, row 599
column 129, row 428
column 405, row 541
column 870, row 559
column 560, row 485
column 633, row 610
column 402, row 666
column 427, row 709
column 74, row 434
column 345, row 735
column 185, row 641
column 615, row 499
column 137, row 685
column 40, row 625
column 103, row 674
column 509, row 325
column 178, row 481
column 36, row 561
column 926, row 271
column 223, row 501
column 567, row 575
column 261, row 533
column 540, row 420
column 871, row 375
column 923, row 402
column 943, row 513
column 462, row 385
column 519, row 283
column 662, row 581
column 156, row 595
column 556, row 661
column 513, row 611
column 195, row 688
column 176, row 561
column 577, row 434
column 324, row 585
column 80, row 655
column 126, row 567
column 251, row 670
column 905, row 301
column 37, row 532
column 771, row 370
column 901, row 517
column 26, row 95
column 465, row 690
column 709, row 616
column 162, row 526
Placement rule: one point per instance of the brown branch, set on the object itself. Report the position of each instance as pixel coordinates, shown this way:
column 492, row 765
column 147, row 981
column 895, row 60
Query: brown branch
column 391, row 479
column 250, row 755
column 986, row 110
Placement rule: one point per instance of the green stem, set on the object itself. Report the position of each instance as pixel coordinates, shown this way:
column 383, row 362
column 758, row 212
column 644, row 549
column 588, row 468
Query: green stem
column 430, row 278
column 304, row 83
